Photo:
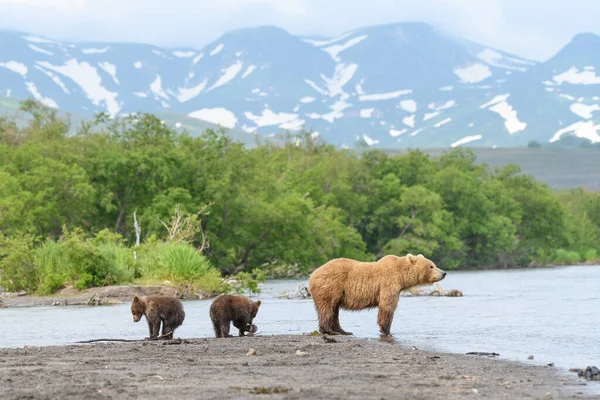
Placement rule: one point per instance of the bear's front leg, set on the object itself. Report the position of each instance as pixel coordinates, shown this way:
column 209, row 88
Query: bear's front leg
column 241, row 325
column 384, row 320
column 387, row 306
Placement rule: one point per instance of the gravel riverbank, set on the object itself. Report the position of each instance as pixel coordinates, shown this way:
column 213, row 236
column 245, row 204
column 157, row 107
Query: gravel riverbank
column 284, row 367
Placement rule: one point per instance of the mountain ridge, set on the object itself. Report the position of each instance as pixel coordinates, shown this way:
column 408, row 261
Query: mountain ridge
column 392, row 85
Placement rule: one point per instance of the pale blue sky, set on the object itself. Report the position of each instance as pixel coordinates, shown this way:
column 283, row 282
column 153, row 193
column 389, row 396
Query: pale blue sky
column 530, row 28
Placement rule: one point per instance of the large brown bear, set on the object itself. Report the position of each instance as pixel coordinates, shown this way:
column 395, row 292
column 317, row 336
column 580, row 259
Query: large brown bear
column 355, row 285
column 157, row 309
column 228, row 308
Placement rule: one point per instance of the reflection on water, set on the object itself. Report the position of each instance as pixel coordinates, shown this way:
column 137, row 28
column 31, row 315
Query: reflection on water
column 552, row 314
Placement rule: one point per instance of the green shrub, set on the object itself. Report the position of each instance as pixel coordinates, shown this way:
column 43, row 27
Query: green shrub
column 16, row 263
column 178, row 262
column 566, row 256
column 590, row 255
column 51, row 266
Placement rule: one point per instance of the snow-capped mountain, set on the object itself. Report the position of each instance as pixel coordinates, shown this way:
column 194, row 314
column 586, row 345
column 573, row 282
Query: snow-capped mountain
column 387, row 86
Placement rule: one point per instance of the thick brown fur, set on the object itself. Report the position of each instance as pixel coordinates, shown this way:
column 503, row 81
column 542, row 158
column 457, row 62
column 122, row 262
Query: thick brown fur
column 159, row 309
column 355, row 285
column 228, row 308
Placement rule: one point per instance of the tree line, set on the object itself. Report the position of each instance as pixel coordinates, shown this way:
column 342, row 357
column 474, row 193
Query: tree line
column 284, row 207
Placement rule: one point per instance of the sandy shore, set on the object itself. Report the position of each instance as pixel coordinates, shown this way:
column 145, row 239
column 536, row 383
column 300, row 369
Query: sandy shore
column 284, row 367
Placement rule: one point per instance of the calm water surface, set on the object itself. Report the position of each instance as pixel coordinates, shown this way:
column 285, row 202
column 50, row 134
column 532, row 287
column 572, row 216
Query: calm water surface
column 553, row 314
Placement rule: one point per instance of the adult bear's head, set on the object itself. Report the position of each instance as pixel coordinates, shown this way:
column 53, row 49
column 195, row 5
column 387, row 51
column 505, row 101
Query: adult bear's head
column 425, row 269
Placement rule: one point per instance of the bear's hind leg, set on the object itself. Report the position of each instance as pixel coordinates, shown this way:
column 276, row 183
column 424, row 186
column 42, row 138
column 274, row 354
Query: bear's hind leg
column 326, row 314
column 336, row 322
column 225, row 325
column 217, row 328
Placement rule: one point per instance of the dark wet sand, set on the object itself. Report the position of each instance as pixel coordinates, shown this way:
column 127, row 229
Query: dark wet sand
column 212, row 368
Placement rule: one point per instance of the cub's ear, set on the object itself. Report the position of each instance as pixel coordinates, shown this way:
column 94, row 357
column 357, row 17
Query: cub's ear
column 257, row 302
column 411, row 258
column 136, row 298
column 420, row 255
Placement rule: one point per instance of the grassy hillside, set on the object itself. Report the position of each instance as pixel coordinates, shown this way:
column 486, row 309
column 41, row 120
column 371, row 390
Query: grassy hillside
column 558, row 167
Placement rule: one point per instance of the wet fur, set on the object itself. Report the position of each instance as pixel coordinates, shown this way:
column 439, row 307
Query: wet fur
column 157, row 310
column 228, row 308
column 355, row 285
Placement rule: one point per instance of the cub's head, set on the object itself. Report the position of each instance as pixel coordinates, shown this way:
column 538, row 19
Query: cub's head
column 138, row 306
column 255, row 306
column 426, row 271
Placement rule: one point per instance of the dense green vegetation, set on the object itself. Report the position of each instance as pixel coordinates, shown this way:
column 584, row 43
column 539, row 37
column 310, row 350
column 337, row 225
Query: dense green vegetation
column 208, row 206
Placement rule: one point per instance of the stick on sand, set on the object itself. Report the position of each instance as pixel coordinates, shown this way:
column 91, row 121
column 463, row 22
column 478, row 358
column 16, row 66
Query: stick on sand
column 123, row 340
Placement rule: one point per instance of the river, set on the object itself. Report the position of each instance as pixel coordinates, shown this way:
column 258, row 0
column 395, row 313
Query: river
column 550, row 313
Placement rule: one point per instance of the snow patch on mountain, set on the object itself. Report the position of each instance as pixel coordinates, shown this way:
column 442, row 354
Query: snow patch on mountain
column 586, row 130
column 576, row 77
column 430, row 115
column 228, row 74
column 293, row 125
column 442, row 122
column 186, row 94
column 335, row 50
column 473, row 73
column 16, row 67
column 495, row 59
column 269, row 118
column 383, row 96
column 409, row 105
column 92, row 50
column 321, row 43
column 465, row 140
column 197, row 59
column 409, row 121
column 217, row 49
column 48, row 102
column 366, row 112
column 55, row 78
column 584, row 110
column 156, row 88
column 35, row 39
column 396, row 133
column 184, row 54
column 110, row 69
column 500, row 106
column 86, row 76
column 342, row 75
column 40, row 50
column 248, row 71
column 369, row 141
column 218, row 116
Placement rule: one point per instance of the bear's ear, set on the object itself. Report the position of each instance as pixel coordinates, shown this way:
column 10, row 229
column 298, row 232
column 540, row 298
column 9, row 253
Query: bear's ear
column 411, row 258
column 257, row 302
column 420, row 256
column 136, row 299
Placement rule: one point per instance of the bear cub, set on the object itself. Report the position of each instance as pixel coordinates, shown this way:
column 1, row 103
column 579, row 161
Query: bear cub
column 159, row 309
column 228, row 308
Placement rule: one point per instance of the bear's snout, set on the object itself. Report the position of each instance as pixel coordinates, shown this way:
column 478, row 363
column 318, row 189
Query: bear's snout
column 438, row 275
